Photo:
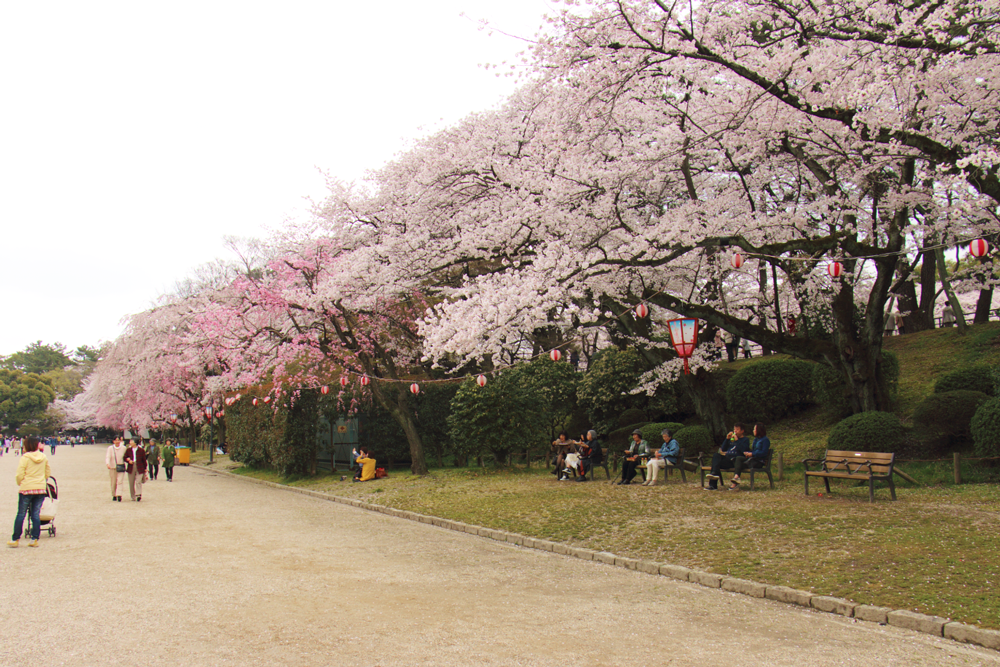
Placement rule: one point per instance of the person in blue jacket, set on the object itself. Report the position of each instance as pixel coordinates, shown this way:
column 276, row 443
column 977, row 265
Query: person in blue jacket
column 755, row 458
column 669, row 451
column 734, row 448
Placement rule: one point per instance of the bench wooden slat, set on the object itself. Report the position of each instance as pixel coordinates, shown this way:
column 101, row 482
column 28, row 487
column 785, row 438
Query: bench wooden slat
column 867, row 466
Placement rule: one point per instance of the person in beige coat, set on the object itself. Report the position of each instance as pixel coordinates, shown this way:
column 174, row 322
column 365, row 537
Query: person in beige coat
column 114, row 458
column 33, row 472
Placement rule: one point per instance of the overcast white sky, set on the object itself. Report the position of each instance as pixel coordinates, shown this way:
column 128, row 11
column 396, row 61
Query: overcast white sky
column 134, row 136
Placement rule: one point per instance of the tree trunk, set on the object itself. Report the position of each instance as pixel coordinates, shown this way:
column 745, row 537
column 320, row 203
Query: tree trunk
column 709, row 395
column 928, row 290
column 399, row 407
column 983, row 306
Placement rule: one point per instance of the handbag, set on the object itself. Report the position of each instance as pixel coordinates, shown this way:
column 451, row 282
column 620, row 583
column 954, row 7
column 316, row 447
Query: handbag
column 119, row 467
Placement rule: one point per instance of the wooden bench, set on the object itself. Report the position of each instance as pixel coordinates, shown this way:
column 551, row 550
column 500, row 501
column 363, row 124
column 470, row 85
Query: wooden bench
column 861, row 466
column 766, row 469
column 666, row 469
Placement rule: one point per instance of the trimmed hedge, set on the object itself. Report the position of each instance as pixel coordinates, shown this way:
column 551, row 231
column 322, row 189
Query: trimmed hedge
column 695, row 440
column 979, row 378
column 944, row 420
column 986, row 428
column 653, row 433
column 867, row 432
column 769, row 390
column 631, row 416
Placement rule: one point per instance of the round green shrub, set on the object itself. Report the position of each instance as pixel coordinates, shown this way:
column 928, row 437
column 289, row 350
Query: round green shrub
column 695, row 440
column 653, row 433
column 974, row 378
column 771, row 389
column 867, row 432
column 943, row 420
column 986, row 428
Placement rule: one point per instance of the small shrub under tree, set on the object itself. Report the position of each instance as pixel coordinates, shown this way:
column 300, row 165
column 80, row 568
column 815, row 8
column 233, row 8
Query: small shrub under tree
column 695, row 440
column 986, row 428
column 867, row 432
column 979, row 378
column 768, row 390
column 943, row 421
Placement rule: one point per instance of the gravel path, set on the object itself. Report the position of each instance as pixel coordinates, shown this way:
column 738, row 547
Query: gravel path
column 211, row 570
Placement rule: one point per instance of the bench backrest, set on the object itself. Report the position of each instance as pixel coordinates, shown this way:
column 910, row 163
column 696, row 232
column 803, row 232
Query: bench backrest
column 881, row 462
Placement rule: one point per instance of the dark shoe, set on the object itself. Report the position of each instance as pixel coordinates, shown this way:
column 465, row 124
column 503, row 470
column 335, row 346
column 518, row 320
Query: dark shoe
column 138, row 499
column 581, row 479
column 711, row 488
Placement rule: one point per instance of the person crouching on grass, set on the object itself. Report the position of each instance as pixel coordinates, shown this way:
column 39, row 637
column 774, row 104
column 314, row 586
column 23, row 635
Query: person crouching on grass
column 32, row 473
column 366, row 465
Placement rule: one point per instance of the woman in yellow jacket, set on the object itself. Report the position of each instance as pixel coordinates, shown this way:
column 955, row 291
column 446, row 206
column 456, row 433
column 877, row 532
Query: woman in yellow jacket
column 366, row 466
column 32, row 473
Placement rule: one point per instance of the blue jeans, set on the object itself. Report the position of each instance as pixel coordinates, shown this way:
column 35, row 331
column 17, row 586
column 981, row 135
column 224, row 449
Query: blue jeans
column 30, row 504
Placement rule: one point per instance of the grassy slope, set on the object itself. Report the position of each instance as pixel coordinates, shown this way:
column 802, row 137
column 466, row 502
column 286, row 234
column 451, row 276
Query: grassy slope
column 935, row 550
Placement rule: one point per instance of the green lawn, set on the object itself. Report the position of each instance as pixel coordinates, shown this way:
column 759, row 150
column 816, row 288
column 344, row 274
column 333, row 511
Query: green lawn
column 936, row 550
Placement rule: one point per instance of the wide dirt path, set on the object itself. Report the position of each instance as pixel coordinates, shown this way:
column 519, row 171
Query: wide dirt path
column 211, row 570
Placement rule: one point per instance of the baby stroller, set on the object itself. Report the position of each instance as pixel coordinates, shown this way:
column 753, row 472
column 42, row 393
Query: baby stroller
column 47, row 515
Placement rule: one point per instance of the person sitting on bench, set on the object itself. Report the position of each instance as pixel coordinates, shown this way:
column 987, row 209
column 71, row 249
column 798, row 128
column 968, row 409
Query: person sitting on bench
column 366, row 465
column 669, row 451
column 591, row 456
column 637, row 448
column 734, row 447
column 755, row 458
column 563, row 447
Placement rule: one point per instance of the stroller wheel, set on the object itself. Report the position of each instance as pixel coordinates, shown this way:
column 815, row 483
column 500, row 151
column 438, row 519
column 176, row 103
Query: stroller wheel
column 52, row 531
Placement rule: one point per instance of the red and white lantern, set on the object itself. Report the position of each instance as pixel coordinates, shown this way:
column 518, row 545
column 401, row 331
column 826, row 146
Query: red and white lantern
column 415, row 388
column 254, row 401
column 343, row 380
column 324, row 390
column 835, row 269
column 641, row 311
column 220, row 414
column 979, row 248
column 364, row 380
column 481, row 380
column 555, row 355
column 267, row 399
column 737, row 260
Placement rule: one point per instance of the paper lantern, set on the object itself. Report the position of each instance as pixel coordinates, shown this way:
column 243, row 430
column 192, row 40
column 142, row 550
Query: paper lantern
column 481, row 380
column 979, row 248
column 555, row 355
column 641, row 311
column 254, row 401
column 324, row 390
column 415, row 388
column 364, row 380
column 684, row 337
column 737, row 260
column 220, row 414
column 267, row 399
column 835, row 269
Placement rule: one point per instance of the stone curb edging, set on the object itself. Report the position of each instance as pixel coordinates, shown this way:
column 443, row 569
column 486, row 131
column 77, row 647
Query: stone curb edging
column 910, row 620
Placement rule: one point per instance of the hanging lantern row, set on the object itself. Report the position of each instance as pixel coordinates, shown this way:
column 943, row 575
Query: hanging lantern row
column 979, row 248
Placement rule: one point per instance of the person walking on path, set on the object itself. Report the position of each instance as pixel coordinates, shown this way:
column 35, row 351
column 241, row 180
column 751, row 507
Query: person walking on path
column 168, row 453
column 135, row 465
column 32, row 473
column 153, row 459
column 115, row 461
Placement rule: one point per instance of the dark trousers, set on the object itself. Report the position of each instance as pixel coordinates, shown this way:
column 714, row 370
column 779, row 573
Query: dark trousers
column 743, row 462
column 170, row 472
column 30, row 505
column 720, row 462
column 154, row 470
column 628, row 469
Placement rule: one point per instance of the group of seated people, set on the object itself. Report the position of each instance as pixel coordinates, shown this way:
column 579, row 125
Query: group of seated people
column 577, row 457
column 638, row 450
column 737, row 453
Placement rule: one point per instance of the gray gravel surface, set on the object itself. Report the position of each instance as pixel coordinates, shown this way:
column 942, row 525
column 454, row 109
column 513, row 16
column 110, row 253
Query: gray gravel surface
column 210, row 570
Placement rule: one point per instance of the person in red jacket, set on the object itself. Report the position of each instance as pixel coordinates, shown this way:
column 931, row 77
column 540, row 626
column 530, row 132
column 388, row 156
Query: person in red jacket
column 135, row 466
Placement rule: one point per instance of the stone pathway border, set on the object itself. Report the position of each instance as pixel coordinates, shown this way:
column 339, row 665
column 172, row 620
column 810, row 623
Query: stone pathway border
column 932, row 625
